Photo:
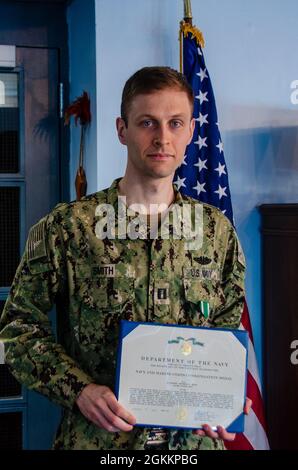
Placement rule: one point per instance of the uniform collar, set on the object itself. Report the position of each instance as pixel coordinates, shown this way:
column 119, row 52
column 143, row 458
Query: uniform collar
column 112, row 198
column 113, row 193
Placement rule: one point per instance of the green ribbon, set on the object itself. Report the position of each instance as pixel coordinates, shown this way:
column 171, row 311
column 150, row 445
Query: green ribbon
column 205, row 308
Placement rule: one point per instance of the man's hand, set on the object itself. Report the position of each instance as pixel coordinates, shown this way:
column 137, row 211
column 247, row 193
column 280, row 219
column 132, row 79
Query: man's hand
column 221, row 432
column 99, row 404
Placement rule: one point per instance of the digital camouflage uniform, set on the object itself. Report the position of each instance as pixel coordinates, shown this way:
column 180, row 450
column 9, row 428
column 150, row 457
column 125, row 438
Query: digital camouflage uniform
column 95, row 283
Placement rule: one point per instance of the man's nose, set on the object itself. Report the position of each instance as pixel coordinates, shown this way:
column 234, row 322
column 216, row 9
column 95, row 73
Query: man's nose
column 161, row 136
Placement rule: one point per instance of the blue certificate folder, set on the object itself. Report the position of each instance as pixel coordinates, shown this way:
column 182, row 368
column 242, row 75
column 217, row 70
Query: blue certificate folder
column 127, row 327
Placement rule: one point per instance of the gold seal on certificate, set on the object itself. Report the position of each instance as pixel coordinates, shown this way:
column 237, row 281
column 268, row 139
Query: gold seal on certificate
column 182, row 377
column 181, row 414
column 186, row 348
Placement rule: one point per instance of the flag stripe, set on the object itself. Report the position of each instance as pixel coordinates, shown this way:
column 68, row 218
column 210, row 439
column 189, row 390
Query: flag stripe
column 254, row 432
column 240, row 443
column 255, row 437
column 252, row 361
column 245, row 320
column 252, row 364
column 253, row 392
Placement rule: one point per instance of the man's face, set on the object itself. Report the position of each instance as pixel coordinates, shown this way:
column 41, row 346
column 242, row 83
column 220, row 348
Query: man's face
column 160, row 126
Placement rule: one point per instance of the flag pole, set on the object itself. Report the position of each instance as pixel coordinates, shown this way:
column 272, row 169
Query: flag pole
column 186, row 27
column 187, row 19
column 187, row 12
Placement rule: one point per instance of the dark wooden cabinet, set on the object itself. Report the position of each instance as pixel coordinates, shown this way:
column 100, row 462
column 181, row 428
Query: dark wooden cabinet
column 280, row 301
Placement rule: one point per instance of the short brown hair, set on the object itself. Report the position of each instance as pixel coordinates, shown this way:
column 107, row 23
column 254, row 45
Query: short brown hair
column 149, row 79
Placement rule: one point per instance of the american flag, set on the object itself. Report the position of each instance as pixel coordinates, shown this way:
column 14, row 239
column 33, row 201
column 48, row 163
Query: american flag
column 203, row 175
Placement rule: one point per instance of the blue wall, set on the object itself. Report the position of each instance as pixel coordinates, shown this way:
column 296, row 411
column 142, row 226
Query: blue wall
column 82, row 63
column 251, row 57
column 130, row 35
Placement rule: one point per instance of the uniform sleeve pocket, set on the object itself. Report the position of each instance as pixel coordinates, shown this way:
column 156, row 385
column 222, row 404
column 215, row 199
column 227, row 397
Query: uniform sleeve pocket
column 39, row 266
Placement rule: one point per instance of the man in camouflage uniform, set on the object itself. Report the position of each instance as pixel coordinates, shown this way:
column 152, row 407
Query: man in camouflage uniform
column 97, row 281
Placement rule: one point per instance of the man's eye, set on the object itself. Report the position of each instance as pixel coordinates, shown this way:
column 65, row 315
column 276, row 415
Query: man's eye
column 147, row 123
column 176, row 124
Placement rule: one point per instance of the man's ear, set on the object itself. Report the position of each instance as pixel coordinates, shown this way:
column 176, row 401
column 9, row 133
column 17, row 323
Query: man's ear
column 121, row 130
column 192, row 128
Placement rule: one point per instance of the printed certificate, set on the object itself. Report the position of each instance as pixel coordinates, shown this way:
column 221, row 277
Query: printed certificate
column 181, row 376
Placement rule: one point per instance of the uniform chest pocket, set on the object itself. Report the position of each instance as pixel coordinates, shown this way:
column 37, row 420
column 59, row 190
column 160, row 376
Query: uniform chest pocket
column 101, row 291
column 107, row 302
column 202, row 298
column 110, row 292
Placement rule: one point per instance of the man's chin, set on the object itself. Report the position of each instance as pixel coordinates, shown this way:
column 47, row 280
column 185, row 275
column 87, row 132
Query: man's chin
column 162, row 174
